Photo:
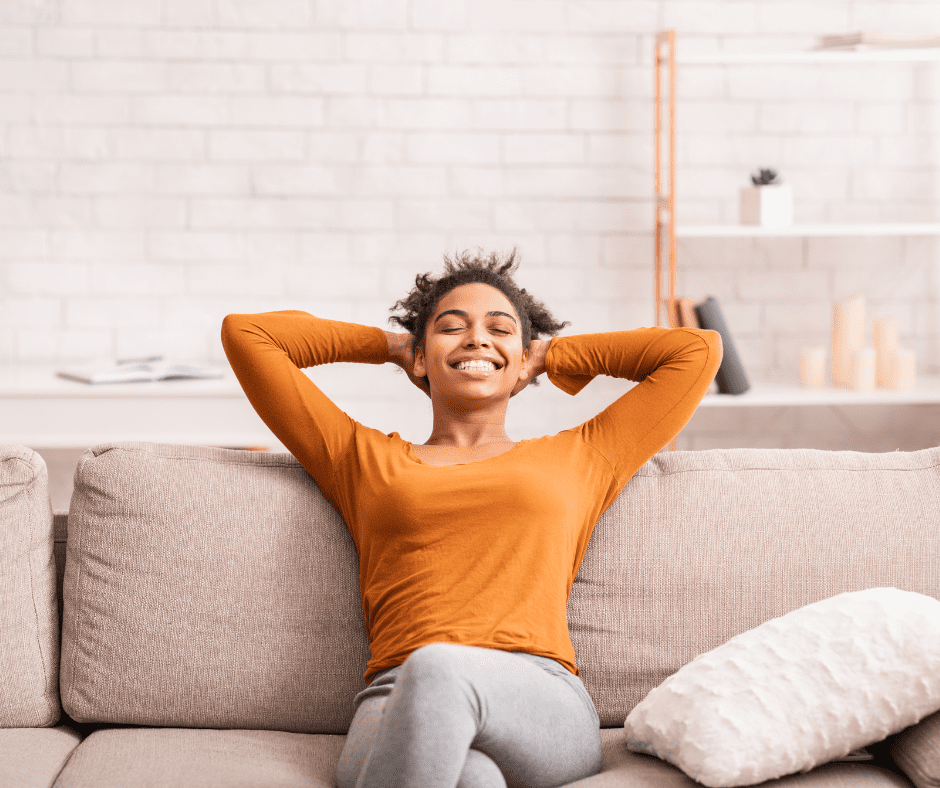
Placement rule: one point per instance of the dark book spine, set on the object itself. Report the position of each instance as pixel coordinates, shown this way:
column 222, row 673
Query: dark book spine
column 730, row 376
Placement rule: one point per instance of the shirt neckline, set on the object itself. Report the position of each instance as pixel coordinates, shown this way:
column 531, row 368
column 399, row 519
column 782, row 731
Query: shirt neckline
column 414, row 457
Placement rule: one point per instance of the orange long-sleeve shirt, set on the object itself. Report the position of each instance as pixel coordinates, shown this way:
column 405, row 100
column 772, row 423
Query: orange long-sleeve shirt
column 482, row 553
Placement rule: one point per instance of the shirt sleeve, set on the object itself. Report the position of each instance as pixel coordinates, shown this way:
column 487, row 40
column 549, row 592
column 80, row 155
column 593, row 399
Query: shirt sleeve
column 673, row 367
column 267, row 352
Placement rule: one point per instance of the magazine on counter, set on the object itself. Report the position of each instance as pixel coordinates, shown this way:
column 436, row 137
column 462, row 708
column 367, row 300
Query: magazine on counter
column 135, row 370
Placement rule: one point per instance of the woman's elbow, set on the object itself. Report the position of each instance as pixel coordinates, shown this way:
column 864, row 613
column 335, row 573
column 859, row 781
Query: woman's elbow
column 715, row 348
column 232, row 324
column 713, row 338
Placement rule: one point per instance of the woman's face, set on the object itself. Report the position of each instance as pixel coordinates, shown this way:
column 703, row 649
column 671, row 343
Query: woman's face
column 472, row 345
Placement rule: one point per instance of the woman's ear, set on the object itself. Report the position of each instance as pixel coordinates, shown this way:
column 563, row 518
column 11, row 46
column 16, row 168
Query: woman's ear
column 419, row 370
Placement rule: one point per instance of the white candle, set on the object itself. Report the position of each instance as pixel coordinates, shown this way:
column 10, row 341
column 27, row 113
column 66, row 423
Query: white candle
column 813, row 367
column 848, row 336
column 903, row 376
column 863, row 369
column 885, row 340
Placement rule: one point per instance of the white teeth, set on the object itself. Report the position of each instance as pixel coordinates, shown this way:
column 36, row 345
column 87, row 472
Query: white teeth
column 481, row 366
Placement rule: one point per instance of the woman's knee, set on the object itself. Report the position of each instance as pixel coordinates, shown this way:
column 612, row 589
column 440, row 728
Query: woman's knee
column 439, row 675
column 359, row 742
column 480, row 771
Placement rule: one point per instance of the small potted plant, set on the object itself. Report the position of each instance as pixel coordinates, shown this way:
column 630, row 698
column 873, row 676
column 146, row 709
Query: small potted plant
column 768, row 203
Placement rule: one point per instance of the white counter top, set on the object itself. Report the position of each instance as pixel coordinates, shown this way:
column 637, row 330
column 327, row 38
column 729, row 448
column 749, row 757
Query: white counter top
column 38, row 408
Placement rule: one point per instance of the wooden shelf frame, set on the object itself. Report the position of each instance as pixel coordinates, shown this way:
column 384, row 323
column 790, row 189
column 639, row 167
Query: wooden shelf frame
column 665, row 201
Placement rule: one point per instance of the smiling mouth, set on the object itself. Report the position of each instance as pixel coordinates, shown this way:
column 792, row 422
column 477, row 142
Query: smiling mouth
column 476, row 366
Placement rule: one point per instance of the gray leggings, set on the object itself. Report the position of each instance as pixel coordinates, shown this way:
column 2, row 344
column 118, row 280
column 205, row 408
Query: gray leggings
column 471, row 717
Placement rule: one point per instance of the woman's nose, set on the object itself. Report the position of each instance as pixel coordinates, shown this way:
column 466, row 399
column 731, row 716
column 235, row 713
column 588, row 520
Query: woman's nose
column 477, row 337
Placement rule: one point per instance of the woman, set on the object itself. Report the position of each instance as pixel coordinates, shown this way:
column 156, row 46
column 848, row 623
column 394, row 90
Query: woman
column 469, row 543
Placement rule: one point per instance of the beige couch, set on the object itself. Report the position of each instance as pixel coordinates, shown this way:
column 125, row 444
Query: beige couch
column 211, row 633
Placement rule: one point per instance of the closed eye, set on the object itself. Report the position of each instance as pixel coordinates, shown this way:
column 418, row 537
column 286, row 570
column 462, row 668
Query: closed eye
column 494, row 329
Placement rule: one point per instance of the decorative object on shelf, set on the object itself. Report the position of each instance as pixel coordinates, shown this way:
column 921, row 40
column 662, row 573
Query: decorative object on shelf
column 848, row 336
column 769, row 202
column 863, row 369
column 902, row 371
column 730, row 377
column 813, row 367
column 885, row 339
column 896, row 366
column 865, row 38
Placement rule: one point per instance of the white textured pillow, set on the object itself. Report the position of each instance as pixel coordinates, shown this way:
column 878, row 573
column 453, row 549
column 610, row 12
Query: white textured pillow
column 797, row 691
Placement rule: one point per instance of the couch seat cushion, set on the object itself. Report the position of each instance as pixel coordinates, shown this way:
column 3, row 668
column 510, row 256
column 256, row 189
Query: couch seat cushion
column 29, row 625
column 625, row 769
column 33, row 757
column 193, row 758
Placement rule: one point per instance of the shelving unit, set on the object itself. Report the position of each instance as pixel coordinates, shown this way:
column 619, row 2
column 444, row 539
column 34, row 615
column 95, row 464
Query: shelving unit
column 667, row 230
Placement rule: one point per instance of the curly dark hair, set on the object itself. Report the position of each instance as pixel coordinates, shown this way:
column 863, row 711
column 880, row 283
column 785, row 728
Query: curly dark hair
column 472, row 267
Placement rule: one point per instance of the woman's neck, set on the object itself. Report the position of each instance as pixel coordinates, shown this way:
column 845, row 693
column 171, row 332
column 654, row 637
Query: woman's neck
column 468, row 424
column 467, row 432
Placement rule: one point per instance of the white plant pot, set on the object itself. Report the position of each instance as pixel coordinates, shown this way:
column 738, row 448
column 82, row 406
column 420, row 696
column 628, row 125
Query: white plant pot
column 767, row 206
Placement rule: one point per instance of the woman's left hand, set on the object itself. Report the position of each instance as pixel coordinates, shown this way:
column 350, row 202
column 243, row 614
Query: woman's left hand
column 401, row 354
column 534, row 364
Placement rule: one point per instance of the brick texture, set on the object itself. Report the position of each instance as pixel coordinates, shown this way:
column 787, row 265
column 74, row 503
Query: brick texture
column 161, row 157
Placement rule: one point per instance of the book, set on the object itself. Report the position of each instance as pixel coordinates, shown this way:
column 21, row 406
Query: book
column 730, row 377
column 864, row 38
column 681, row 313
column 135, row 370
column 687, row 318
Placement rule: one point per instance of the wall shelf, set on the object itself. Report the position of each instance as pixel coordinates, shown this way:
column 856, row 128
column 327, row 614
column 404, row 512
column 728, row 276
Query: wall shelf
column 807, row 230
column 912, row 55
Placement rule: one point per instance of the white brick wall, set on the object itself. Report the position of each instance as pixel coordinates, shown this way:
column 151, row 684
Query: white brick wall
column 164, row 162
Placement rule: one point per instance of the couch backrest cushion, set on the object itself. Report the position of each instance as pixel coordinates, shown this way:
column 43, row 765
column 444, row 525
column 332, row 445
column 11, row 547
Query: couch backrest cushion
column 29, row 626
column 216, row 588
column 208, row 588
column 701, row 546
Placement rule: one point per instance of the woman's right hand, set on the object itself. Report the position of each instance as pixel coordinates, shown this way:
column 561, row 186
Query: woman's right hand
column 400, row 353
